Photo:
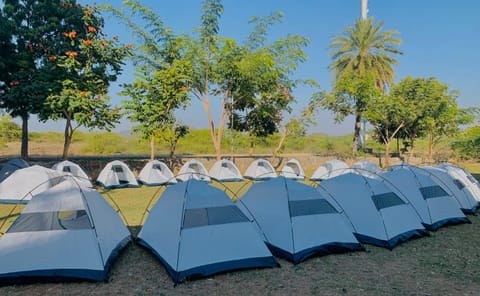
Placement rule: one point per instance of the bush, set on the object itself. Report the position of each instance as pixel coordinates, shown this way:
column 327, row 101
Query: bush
column 468, row 144
column 9, row 130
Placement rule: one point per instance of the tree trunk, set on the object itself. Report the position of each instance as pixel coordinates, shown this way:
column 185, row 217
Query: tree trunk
column 356, row 134
column 430, row 146
column 412, row 148
column 252, row 145
column 152, row 147
column 24, row 147
column 67, row 139
column 280, row 145
column 387, row 153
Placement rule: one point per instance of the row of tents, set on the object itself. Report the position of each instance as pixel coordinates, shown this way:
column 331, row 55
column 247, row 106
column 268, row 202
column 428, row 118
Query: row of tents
column 195, row 229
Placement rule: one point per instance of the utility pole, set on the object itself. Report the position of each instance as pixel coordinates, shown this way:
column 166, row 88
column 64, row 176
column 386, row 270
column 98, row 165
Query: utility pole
column 364, row 7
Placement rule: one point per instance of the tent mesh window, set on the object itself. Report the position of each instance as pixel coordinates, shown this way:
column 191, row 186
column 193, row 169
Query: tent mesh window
column 386, row 200
column 459, row 183
column 66, row 169
column 117, row 169
column 224, row 165
column 310, row 207
column 472, row 179
column 212, row 216
column 433, row 192
column 157, row 167
column 46, row 221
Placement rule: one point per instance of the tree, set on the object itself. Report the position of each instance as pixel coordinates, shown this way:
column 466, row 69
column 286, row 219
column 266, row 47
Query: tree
column 435, row 113
column 365, row 49
column 170, row 134
column 28, row 37
column 89, row 64
column 163, row 77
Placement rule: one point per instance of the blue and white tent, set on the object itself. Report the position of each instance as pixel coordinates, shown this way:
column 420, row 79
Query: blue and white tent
column 379, row 215
column 435, row 206
column 156, row 173
column 24, row 183
column 462, row 175
column 66, row 232
column 225, row 170
column 68, row 167
column 466, row 199
column 330, row 169
column 11, row 166
column 193, row 169
column 196, row 230
column 296, row 220
column 116, row 174
column 293, row 170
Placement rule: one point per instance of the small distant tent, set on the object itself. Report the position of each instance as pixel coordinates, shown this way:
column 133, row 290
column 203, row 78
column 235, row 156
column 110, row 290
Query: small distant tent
column 156, row 173
column 468, row 203
column 293, row 170
column 116, row 174
column 464, row 176
column 435, row 206
column 196, row 230
column 378, row 214
column 260, row 169
column 330, row 169
column 225, row 170
column 11, row 166
column 74, row 169
column 24, row 183
column 66, row 232
column 297, row 221
column 193, row 169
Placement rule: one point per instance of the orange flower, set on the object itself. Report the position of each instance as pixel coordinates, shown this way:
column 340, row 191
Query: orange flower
column 15, row 82
column 129, row 45
column 103, row 42
column 184, row 88
column 87, row 12
column 83, row 93
column 91, row 29
column 72, row 54
column 116, row 110
column 30, row 47
column 65, row 34
column 87, row 42
column 52, row 58
column 72, row 34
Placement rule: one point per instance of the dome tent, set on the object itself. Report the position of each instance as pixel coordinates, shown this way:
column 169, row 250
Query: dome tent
column 116, row 174
column 193, row 169
column 66, row 232
column 196, row 230
column 260, row 169
column 435, row 206
column 24, row 183
column 293, row 170
column 330, row 169
column 296, row 220
column 379, row 214
column 11, row 166
column 225, row 170
column 74, row 169
column 156, row 173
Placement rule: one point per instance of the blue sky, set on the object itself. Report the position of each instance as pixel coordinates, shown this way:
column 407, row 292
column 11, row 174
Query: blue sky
column 440, row 38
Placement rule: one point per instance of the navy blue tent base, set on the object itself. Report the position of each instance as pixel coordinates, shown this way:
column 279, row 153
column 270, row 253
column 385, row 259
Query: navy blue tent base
column 445, row 222
column 390, row 244
column 332, row 248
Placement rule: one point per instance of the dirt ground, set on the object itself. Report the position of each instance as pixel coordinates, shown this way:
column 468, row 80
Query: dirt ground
column 445, row 263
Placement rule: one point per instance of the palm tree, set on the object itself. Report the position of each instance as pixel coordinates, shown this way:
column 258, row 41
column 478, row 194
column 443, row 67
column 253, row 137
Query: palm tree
column 365, row 50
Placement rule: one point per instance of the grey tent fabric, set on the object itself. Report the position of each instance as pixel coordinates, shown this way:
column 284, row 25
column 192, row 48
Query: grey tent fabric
column 296, row 220
column 380, row 215
column 11, row 166
column 196, row 230
column 24, row 183
column 116, row 174
column 68, row 167
column 435, row 206
column 66, row 232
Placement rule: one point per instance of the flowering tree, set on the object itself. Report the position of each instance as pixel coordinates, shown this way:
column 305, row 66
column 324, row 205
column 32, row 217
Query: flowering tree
column 85, row 67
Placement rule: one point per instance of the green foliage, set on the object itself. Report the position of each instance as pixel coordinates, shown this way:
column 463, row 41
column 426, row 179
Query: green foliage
column 108, row 143
column 9, row 130
column 467, row 145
